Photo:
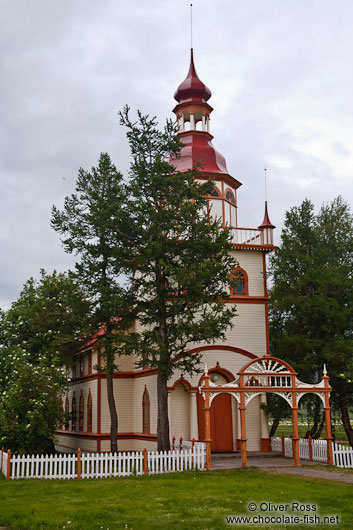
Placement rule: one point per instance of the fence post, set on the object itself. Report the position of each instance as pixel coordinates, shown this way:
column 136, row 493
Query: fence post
column 8, row 464
column 145, row 464
column 283, row 446
column 2, row 457
column 310, row 447
column 79, row 463
column 181, row 443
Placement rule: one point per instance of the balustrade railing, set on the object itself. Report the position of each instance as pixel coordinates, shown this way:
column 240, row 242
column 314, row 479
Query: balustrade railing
column 247, row 236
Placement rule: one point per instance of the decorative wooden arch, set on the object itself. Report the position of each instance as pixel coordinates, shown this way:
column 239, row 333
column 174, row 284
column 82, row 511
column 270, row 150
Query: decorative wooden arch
column 264, row 375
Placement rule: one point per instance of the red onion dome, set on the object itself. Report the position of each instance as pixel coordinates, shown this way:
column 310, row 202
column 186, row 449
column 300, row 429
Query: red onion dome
column 192, row 89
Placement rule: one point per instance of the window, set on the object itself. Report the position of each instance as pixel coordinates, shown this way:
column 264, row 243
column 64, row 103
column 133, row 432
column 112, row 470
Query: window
column 81, row 410
column 89, row 362
column 146, row 411
column 230, row 196
column 81, row 366
column 214, row 192
column 73, row 413
column 89, row 412
column 239, row 281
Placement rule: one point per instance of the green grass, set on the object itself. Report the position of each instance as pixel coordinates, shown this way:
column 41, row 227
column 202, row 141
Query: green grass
column 197, row 501
column 286, row 429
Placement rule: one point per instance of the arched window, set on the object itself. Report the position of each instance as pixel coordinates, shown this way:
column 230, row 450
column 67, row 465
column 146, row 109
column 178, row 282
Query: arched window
column 81, row 410
column 82, row 366
column 230, row 196
column 67, row 413
column 214, row 192
column 89, row 412
column 73, row 413
column 239, row 280
column 146, row 411
column 89, row 362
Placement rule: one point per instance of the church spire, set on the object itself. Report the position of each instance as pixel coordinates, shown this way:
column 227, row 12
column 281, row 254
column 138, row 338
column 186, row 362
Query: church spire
column 193, row 118
column 192, row 89
column 266, row 223
column 267, row 228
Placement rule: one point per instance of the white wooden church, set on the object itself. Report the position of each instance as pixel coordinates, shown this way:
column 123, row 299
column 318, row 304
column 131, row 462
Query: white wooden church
column 136, row 389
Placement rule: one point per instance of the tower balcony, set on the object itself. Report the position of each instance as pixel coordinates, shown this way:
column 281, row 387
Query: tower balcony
column 256, row 238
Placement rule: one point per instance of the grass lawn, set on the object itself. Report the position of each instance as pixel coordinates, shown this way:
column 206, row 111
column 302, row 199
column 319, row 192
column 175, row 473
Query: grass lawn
column 189, row 501
column 286, row 429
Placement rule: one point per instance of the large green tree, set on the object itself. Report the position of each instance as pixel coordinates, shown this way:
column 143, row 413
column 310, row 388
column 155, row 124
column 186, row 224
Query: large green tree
column 311, row 300
column 94, row 226
column 37, row 335
column 180, row 258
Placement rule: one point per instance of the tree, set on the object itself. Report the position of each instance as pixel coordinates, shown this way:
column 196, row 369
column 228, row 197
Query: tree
column 37, row 334
column 311, row 301
column 93, row 224
column 180, row 259
column 30, row 409
column 48, row 318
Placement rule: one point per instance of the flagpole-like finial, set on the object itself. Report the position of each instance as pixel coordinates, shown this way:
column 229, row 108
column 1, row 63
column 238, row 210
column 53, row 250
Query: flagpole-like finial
column 324, row 370
column 191, row 25
column 206, row 370
column 265, row 170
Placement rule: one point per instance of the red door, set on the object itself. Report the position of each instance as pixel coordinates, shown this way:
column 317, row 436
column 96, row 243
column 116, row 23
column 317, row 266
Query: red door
column 221, row 424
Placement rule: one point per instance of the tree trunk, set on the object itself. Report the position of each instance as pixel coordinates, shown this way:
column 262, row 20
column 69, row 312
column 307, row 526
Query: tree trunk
column 113, row 414
column 345, row 417
column 320, row 428
column 110, row 391
column 275, row 425
column 162, row 420
column 312, row 432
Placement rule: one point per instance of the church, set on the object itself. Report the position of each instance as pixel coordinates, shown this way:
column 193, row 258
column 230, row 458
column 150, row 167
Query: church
column 136, row 389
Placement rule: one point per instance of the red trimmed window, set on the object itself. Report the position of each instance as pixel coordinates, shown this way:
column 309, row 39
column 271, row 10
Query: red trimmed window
column 230, row 196
column 89, row 362
column 73, row 413
column 81, row 411
column 146, row 412
column 89, row 412
column 214, row 192
column 82, row 366
column 239, row 285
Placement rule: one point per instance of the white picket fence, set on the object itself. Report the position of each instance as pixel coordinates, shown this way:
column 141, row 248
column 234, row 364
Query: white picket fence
column 342, row 455
column 99, row 465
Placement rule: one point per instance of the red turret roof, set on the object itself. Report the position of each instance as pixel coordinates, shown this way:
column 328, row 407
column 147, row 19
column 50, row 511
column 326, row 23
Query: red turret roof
column 266, row 223
column 198, row 148
column 192, row 89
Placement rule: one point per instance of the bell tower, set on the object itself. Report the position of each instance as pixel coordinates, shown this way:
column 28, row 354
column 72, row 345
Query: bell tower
column 193, row 117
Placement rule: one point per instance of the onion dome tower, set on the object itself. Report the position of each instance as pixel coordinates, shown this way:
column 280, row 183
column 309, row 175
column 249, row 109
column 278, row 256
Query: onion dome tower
column 193, row 118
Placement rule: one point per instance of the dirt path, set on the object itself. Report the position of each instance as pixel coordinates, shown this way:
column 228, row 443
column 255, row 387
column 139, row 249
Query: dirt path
column 280, row 464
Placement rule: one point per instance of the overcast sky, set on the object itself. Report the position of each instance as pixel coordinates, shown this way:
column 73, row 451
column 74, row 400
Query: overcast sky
column 281, row 78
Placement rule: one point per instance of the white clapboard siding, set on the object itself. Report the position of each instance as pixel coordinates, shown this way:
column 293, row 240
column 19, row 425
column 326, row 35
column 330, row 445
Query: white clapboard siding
column 101, row 465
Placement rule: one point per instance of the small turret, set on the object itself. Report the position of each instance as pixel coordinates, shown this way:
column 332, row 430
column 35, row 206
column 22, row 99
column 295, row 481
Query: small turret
column 267, row 228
